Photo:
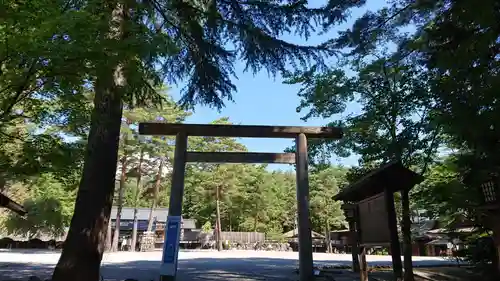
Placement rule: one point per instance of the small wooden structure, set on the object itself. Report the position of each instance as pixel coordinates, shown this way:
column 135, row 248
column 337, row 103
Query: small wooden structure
column 181, row 157
column 10, row 204
column 371, row 213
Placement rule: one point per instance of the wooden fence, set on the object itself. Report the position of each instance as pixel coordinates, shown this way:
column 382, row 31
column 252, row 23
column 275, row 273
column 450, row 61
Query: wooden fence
column 243, row 237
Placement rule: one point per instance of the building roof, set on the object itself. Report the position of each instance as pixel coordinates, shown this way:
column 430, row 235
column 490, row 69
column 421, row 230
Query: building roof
column 421, row 228
column 440, row 242
column 295, row 233
column 142, row 213
column 161, row 215
column 188, row 223
column 457, row 230
column 393, row 176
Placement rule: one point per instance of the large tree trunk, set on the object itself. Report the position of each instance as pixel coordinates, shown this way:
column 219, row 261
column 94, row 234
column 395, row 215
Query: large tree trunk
column 109, row 236
column 81, row 256
column 494, row 222
column 406, row 231
column 119, row 207
column 133, row 243
column 82, row 252
column 136, row 201
column 218, row 228
column 328, row 241
column 155, row 196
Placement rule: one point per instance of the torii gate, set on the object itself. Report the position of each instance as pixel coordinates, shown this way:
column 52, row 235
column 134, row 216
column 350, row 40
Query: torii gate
column 168, row 268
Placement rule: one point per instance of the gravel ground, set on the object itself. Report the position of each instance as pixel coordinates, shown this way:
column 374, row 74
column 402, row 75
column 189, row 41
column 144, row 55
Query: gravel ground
column 193, row 265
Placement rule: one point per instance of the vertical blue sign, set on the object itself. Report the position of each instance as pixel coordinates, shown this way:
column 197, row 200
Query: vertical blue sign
column 170, row 249
column 171, row 246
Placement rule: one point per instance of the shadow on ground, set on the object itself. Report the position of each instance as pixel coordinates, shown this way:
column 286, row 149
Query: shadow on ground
column 197, row 269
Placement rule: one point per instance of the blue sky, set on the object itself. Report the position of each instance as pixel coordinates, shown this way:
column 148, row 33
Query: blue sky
column 264, row 100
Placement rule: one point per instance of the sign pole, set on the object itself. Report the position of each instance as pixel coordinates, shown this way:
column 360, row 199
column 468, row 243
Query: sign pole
column 397, row 264
column 168, row 269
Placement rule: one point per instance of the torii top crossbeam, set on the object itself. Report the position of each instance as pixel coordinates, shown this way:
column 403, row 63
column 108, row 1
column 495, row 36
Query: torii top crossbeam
column 243, row 131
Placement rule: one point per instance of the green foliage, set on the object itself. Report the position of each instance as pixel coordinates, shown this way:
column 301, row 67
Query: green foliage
column 207, row 227
column 393, row 123
column 326, row 212
column 253, row 199
column 443, row 194
column 50, row 208
column 479, row 252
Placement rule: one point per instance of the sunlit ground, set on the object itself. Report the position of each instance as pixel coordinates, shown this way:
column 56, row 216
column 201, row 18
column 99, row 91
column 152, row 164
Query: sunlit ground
column 193, row 265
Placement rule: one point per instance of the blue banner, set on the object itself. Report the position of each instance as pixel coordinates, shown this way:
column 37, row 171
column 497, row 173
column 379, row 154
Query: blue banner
column 170, row 249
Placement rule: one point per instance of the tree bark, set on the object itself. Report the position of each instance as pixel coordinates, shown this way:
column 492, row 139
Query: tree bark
column 328, row 241
column 81, row 256
column 136, row 201
column 218, row 229
column 406, row 231
column 119, row 207
column 495, row 227
column 109, row 236
column 155, row 196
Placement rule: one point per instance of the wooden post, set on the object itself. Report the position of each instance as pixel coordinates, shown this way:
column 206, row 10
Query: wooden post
column 353, row 239
column 168, row 270
column 363, row 273
column 397, row 264
column 304, row 224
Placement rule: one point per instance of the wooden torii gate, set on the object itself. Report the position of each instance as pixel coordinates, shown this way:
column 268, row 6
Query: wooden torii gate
column 168, row 268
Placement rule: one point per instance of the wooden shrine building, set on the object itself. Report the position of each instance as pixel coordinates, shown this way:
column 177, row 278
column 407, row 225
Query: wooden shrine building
column 370, row 211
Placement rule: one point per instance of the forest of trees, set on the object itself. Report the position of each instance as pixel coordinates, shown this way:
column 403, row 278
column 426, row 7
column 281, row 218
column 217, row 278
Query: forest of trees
column 77, row 76
column 252, row 197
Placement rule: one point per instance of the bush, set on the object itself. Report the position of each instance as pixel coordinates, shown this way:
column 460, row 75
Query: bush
column 480, row 252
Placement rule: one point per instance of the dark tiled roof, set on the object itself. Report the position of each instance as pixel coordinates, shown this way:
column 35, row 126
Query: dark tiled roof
column 142, row 213
column 189, row 223
column 421, row 228
column 393, row 176
column 161, row 215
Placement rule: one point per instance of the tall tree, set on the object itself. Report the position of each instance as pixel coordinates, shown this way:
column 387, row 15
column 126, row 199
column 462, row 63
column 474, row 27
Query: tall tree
column 197, row 50
column 393, row 124
column 326, row 212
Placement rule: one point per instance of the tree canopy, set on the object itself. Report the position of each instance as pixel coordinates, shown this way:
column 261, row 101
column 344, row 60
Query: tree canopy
column 76, row 77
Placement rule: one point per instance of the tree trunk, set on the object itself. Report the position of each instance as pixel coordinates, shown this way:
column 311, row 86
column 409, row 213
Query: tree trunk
column 109, row 236
column 133, row 243
column 328, row 241
column 218, row 229
column 155, row 196
column 81, row 256
column 495, row 227
column 406, row 230
column 136, row 201
column 119, row 207
column 255, row 221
